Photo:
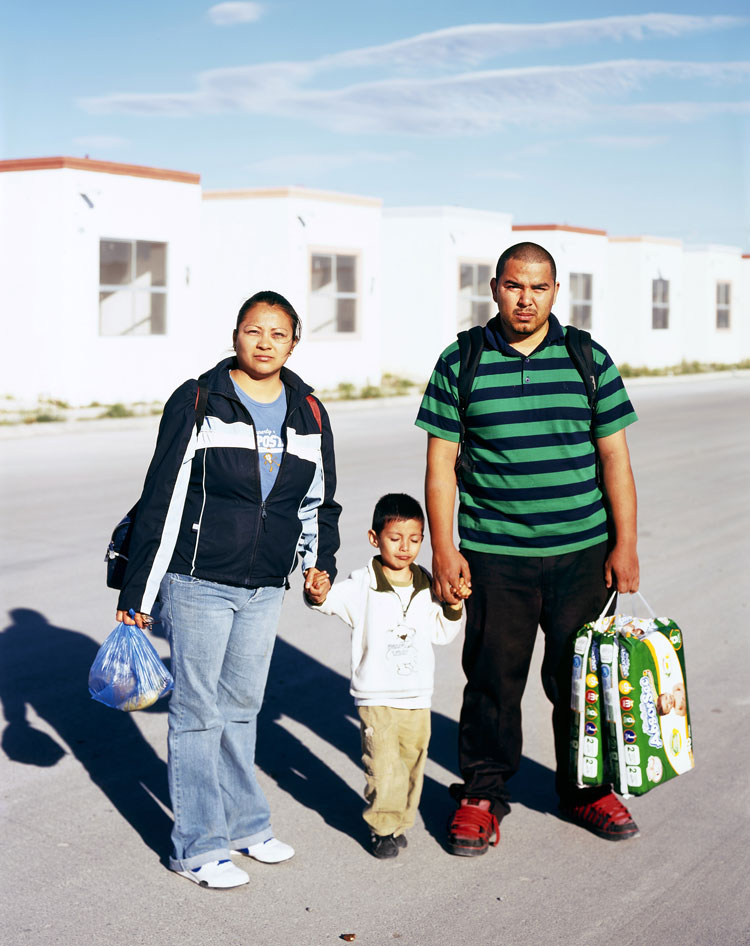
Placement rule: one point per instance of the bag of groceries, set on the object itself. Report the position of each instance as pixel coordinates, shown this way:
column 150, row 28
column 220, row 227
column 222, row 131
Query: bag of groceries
column 630, row 722
column 127, row 672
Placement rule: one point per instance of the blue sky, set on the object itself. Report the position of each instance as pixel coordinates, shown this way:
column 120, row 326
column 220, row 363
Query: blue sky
column 632, row 118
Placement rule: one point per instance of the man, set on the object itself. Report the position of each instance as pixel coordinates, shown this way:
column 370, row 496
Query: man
column 534, row 543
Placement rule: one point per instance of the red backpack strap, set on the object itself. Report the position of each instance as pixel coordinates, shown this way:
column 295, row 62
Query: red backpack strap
column 315, row 408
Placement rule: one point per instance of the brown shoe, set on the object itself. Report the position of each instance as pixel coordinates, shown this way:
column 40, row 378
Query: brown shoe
column 472, row 828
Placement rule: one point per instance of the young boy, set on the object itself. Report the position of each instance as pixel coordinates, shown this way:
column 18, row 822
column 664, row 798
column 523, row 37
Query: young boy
column 395, row 620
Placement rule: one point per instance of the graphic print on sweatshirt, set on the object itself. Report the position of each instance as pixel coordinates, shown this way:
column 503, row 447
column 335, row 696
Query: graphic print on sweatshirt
column 400, row 650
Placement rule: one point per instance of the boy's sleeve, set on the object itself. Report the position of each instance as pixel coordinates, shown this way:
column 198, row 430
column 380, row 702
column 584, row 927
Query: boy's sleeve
column 445, row 621
column 344, row 601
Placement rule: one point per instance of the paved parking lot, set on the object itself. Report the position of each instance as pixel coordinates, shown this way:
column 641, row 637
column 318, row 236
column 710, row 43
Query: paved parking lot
column 85, row 808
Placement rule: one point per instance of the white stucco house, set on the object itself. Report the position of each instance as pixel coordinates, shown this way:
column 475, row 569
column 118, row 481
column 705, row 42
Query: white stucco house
column 118, row 281
column 97, row 279
column 437, row 265
column 320, row 250
column 717, row 322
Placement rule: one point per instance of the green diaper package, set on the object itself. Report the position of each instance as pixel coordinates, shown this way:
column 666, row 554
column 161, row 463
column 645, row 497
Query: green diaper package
column 586, row 736
column 646, row 737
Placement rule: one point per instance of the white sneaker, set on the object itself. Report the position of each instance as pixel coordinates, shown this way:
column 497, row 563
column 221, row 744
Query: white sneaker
column 220, row 874
column 271, row 851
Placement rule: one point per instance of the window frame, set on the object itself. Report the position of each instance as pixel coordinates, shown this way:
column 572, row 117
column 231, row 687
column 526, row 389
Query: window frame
column 473, row 298
column 581, row 302
column 659, row 306
column 131, row 287
column 723, row 308
column 334, row 252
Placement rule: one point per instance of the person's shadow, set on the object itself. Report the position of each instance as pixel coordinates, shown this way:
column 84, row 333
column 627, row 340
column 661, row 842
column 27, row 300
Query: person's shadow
column 46, row 667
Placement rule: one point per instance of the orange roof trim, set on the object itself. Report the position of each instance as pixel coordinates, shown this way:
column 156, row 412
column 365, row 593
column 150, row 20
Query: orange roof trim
column 558, row 226
column 103, row 167
column 305, row 193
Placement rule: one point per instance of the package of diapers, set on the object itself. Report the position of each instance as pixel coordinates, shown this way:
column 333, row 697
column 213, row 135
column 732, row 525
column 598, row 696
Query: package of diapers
column 586, row 745
column 646, row 737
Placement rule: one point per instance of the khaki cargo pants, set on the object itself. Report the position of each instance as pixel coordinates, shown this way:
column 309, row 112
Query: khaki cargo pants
column 394, row 753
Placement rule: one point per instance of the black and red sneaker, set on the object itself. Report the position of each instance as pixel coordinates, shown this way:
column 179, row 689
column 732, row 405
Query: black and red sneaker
column 472, row 828
column 606, row 816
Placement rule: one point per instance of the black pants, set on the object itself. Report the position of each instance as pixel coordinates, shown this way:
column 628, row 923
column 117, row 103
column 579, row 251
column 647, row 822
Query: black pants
column 511, row 597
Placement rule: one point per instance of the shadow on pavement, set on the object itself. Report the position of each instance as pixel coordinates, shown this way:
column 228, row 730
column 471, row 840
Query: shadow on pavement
column 46, row 667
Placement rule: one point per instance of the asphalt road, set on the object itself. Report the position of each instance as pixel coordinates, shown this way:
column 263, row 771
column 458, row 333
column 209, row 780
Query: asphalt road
column 84, row 802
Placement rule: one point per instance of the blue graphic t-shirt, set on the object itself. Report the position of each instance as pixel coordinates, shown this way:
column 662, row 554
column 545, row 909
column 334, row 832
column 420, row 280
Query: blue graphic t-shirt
column 269, row 423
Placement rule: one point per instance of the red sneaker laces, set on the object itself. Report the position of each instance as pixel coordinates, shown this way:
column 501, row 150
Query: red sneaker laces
column 604, row 811
column 472, row 823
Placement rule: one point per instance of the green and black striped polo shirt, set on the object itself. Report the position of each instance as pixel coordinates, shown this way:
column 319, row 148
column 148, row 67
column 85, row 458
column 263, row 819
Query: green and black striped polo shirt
column 533, row 490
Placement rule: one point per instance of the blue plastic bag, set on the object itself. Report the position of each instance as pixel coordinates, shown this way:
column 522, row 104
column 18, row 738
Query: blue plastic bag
column 127, row 673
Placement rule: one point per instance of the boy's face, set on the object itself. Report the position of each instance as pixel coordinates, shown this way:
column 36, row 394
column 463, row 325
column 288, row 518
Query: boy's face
column 399, row 542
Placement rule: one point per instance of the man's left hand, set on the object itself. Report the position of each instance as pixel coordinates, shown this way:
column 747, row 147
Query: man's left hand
column 621, row 570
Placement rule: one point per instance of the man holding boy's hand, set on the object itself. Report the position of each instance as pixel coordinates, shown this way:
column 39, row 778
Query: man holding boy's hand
column 536, row 546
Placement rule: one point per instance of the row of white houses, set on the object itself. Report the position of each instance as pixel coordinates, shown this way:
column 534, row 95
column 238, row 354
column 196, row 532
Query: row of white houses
column 118, row 281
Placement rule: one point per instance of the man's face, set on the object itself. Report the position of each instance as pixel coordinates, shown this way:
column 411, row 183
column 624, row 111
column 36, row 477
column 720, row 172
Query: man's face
column 525, row 294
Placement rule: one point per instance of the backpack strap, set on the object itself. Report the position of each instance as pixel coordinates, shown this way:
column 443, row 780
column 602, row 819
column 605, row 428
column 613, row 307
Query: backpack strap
column 315, row 408
column 201, row 400
column 578, row 344
column 470, row 345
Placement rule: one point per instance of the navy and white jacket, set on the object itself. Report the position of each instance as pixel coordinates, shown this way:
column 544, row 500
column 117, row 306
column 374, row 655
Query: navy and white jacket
column 201, row 511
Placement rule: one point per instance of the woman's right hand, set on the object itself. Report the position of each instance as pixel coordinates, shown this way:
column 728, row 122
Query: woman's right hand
column 142, row 620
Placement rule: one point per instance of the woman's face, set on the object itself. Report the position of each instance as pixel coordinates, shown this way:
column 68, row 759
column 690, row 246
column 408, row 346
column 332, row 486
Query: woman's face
column 264, row 341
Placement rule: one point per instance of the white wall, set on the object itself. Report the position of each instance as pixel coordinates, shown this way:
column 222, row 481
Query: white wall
column 49, row 274
column 633, row 264
column 259, row 240
column 229, row 245
column 576, row 251
column 423, row 248
column 705, row 266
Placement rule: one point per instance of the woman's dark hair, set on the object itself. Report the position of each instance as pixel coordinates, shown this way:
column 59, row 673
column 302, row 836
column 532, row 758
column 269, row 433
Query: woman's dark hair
column 395, row 506
column 269, row 297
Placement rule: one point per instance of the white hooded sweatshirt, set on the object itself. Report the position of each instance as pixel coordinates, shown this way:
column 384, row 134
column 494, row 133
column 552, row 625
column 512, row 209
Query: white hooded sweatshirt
column 392, row 659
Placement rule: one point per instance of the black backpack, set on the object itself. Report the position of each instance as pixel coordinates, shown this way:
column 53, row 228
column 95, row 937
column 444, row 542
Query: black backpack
column 470, row 346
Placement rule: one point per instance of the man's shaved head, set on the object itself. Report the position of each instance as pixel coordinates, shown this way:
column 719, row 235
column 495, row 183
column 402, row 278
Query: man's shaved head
column 528, row 253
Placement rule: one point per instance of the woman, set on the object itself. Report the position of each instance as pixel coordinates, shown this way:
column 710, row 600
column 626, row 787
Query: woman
column 227, row 506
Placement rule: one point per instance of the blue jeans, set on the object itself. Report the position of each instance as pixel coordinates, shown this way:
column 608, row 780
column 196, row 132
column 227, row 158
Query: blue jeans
column 221, row 640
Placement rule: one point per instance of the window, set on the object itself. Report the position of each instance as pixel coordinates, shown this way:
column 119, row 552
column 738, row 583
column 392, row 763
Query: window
column 132, row 287
column 333, row 295
column 474, row 295
column 659, row 303
column 581, row 295
column 723, row 304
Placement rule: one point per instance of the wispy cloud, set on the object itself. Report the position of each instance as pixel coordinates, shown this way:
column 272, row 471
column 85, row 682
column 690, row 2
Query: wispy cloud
column 458, row 103
column 672, row 111
column 229, row 14
column 475, row 43
column 312, row 165
column 468, row 102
